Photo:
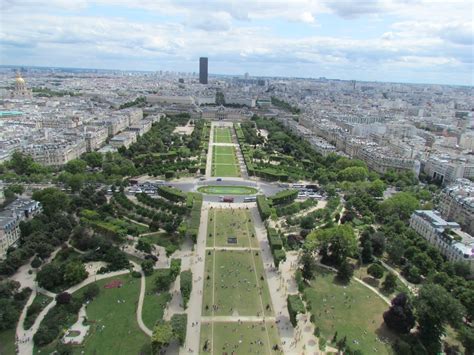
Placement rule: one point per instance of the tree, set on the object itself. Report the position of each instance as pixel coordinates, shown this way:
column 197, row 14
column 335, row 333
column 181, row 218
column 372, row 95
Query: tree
column 399, row 316
column 466, row 336
column 435, row 308
column 307, row 222
column 376, row 271
column 400, row 205
column 50, row 276
column 162, row 336
column 63, row 298
column 353, row 174
column 143, row 246
column 74, row 272
column 367, row 252
column 93, row 159
column 378, row 243
column 76, row 166
column 389, row 283
column 147, row 267
column 91, row 292
column 334, row 244
column 345, row 272
column 308, row 263
column 377, row 188
column 52, row 200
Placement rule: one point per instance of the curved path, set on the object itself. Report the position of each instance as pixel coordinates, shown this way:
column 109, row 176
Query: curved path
column 142, row 325
column 25, row 346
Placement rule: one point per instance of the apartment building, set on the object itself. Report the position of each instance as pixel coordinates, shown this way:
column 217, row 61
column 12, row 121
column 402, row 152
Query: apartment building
column 447, row 237
column 56, row 154
column 457, row 203
column 10, row 218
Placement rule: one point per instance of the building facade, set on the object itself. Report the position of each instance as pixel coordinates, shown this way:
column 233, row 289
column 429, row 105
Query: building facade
column 457, row 204
column 447, row 237
column 10, row 218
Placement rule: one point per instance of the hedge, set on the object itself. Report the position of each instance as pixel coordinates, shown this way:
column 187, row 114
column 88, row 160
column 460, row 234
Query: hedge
column 284, row 196
column 263, row 207
column 186, row 285
column 295, row 306
column 195, row 218
column 171, row 193
column 278, row 256
column 179, row 322
column 274, row 239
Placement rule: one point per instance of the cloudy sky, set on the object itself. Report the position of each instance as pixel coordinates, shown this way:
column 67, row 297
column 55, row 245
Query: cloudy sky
column 426, row 41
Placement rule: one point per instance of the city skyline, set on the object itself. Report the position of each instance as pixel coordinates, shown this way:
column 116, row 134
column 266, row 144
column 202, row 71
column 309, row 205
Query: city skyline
column 424, row 42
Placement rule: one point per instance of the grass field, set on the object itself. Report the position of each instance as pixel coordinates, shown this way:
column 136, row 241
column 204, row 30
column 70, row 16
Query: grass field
column 112, row 315
column 227, row 190
column 235, row 337
column 222, row 135
column 224, row 162
column 353, row 311
column 236, row 223
column 235, row 285
column 7, row 341
column 153, row 304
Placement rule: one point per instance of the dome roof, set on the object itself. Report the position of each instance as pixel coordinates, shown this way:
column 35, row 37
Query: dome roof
column 19, row 79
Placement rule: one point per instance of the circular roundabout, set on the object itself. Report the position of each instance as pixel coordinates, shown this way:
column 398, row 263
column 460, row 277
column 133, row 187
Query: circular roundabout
column 227, row 190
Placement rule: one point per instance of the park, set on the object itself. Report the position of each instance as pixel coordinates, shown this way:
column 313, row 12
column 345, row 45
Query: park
column 233, row 270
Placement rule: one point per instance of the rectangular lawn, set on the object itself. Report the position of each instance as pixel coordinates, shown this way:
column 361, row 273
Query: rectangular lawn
column 244, row 338
column 224, row 162
column 236, row 223
column 233, row 282
column 222, row 135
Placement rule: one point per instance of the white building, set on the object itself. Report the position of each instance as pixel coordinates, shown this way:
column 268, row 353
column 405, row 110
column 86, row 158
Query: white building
column 10, row 218
column 447, row 237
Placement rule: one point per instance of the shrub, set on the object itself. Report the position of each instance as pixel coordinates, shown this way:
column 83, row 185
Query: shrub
column 179, row 323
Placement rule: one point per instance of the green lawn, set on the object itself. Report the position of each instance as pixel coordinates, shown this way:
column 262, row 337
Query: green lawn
column 114, row 329
column 225, row 159
column 224, row 223
column 234, row 337
column 222, row 135
column 42, row 301
column 224, row 162
column 224, row 150
column 234, row 283
column 353, row 311
column 7, row 341
column 227, row 190
column 153, row 304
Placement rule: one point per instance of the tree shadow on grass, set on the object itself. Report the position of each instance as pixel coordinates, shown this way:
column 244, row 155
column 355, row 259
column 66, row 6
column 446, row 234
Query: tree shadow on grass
column 371, row 281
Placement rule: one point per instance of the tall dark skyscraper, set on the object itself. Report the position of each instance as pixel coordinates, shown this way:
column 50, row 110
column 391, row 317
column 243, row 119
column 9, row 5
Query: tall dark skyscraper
column 203, row 70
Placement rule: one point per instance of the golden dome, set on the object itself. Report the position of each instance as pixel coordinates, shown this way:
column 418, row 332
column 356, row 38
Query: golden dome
column 19, row 79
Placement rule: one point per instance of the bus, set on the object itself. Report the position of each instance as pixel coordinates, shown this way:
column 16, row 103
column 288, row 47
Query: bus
column 226, row 199
column 250, row 199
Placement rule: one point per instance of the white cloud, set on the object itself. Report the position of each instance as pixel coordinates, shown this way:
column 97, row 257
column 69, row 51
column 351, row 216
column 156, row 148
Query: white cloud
column 422, row 35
